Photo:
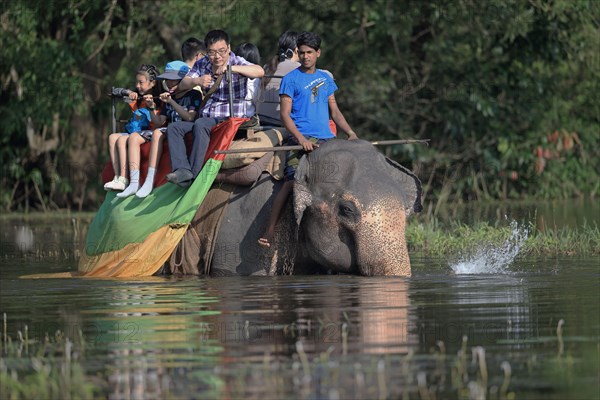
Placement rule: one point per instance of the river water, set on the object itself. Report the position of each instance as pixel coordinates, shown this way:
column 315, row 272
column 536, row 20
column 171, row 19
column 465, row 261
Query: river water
column 525, row 328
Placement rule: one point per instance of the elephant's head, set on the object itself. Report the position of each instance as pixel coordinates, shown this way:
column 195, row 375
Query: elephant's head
column 351, row 205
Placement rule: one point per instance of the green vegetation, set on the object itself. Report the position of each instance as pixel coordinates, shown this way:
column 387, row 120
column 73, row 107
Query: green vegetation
column 432, row 238
column 507, row 91
column 53, row 369
column 48, row 369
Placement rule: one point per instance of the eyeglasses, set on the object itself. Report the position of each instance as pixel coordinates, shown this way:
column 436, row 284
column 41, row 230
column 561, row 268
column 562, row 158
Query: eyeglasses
column 221, row 52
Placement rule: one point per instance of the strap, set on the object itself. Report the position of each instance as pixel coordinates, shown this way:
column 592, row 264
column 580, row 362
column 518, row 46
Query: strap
column 210, row 92
column 179, row 249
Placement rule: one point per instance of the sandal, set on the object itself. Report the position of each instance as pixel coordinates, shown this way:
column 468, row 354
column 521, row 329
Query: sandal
column 264, row 242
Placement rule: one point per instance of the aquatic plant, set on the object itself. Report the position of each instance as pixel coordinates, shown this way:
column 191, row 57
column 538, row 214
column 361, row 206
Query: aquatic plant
column 432, row 238
column 44, row 369
column 53, row 369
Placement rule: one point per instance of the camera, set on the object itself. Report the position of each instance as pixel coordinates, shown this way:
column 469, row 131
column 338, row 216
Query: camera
column 119, row 92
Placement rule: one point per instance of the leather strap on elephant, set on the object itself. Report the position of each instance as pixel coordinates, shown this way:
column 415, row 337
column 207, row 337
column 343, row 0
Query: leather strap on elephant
column 195, row 251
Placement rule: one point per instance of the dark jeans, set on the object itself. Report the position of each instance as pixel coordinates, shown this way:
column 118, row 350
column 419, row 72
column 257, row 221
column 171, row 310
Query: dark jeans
column 201, row 136
column 292, row 159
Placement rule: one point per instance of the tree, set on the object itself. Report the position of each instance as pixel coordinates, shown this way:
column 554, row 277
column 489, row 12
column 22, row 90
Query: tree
column 506, row 91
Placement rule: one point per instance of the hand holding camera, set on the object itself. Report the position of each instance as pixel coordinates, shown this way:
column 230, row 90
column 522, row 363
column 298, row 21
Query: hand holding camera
column 149, row 101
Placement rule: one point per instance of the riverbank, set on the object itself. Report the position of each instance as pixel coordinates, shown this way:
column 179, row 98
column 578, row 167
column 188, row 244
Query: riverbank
column 431, row 237
column 58, row 235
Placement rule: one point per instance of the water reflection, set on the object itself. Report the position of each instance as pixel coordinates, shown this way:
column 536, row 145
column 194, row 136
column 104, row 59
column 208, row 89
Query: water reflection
column 486, row 309
column 24, row 238
column 159, row 333
column 361, row 337
column 156, row 335
column 385, row 317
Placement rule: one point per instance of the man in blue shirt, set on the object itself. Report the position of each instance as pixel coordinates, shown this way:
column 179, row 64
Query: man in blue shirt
column 307, row 102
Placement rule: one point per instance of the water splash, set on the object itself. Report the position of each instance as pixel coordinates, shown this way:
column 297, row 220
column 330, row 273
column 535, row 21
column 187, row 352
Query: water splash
column 494, row 259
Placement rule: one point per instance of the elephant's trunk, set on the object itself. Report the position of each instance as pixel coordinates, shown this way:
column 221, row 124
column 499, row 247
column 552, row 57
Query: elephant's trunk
column 380, row 240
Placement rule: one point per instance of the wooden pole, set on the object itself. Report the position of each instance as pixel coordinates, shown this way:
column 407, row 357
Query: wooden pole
column 230, row 82
column 299, row 147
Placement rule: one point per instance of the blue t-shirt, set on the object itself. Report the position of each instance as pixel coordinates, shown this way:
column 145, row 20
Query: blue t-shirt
column 310, row 107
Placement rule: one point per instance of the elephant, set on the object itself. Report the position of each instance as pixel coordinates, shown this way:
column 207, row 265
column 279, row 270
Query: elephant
column 347, row 215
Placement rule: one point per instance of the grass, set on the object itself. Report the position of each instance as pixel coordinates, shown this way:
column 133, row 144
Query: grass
column 433, row 238
column 430, row 237
column 52, row 369
column 45, row 369
column 37, row 216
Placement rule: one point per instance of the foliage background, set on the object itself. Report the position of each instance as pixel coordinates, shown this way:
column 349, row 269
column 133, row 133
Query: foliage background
column 507, row 91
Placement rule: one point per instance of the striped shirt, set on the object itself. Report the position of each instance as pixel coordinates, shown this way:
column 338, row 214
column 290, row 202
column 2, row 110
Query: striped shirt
column 218, row 104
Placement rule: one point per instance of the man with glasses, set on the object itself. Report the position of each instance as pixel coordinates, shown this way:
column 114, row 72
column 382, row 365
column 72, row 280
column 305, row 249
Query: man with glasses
column 307, row 100
column 205, row 73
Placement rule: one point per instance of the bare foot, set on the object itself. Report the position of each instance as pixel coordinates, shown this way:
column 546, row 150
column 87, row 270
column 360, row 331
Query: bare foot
column 265, row 241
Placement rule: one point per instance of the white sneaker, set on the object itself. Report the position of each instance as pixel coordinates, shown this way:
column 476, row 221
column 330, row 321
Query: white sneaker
column 108, row 186
column 119, row 184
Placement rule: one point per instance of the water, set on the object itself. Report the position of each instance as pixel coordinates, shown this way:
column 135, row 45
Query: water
column 494, row 259
column 447, row 332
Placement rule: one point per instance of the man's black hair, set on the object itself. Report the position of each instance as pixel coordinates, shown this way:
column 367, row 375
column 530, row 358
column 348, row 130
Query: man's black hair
column 213, row 37
column 309, row 39
column 191, row 48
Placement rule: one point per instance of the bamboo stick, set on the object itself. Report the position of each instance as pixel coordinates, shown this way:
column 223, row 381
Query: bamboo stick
column 299, row 147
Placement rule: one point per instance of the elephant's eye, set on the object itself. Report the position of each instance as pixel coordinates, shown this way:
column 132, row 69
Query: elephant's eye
column 348, row 209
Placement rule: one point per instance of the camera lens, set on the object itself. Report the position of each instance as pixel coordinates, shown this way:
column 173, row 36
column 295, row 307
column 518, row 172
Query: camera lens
column 119, row 92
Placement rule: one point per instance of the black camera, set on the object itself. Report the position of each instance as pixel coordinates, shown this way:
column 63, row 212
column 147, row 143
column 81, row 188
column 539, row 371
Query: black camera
column 119, row 92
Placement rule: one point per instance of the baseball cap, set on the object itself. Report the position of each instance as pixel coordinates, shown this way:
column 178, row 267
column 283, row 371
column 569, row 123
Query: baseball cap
column 175, row 70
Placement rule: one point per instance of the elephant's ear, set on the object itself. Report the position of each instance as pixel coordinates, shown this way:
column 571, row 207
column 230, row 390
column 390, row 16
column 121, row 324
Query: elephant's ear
column 302, row 194
column 410, row 186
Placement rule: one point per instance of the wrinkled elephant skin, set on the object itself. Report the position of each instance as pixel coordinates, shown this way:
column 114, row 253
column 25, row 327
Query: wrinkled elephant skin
column 351, row 205
column 347, row 215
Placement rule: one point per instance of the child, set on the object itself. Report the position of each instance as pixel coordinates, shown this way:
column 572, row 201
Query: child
column 177, row 106
column 117, row 142
column 192, row 50
column 251, row 54
column 307, row 99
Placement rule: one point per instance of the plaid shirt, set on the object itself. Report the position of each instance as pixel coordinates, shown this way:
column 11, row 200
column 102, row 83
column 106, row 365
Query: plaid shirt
column 218, row 104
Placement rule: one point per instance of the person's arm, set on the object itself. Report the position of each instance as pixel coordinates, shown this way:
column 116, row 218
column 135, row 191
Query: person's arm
column 288, row 123
column 186, row 115
column 199, row 75
column 339, row 119
column 249, row 71
column 183, row 113
column 157, row 119
column 187, row 83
